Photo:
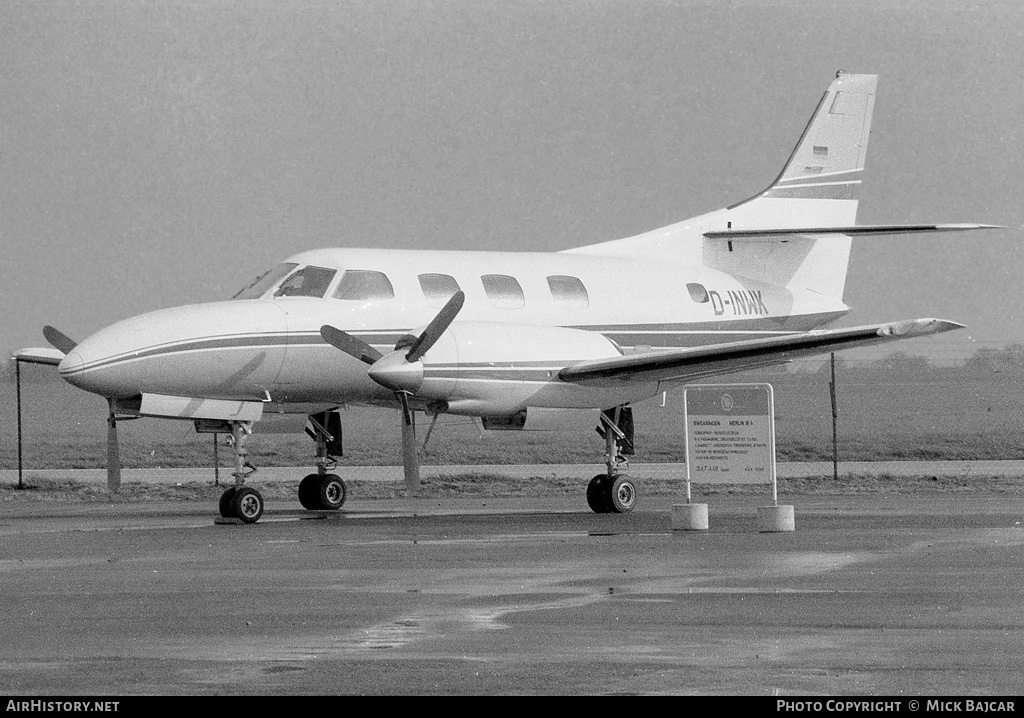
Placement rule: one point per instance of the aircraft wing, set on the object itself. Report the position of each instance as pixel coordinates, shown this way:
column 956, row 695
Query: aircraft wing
column 39, row 355
column 694, row 363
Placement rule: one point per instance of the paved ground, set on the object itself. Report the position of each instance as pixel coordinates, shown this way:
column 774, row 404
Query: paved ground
column 1010, row 468
column 870, row 595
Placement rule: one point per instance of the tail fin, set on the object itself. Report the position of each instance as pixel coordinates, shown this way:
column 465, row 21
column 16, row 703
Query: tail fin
column 824, row 171
column 796, row 233
column 818, row 188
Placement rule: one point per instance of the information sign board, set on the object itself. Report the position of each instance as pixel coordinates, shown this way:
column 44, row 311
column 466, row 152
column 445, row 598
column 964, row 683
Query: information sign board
column 730, row 433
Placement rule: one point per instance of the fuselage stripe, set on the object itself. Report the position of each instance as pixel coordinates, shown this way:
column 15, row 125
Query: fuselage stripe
column 625, row 335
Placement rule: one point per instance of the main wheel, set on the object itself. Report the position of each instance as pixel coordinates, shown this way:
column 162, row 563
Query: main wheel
column 598, row 496
column 247, row 504
column 622, row 494
column 309, row 492
column 332, row 492
column 225, row 501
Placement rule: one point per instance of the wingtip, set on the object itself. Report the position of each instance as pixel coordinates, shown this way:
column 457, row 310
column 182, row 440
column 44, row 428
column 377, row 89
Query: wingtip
column 968, row 226
column 919, row 327
column 944, row 325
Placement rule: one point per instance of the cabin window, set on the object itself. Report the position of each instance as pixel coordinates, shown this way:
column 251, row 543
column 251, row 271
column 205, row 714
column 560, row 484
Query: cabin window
column 698, row 293
column 309, row 281
column 438, row 288
column 262, row 284
column 503, row 291
column 568, row 292
column 364, row 285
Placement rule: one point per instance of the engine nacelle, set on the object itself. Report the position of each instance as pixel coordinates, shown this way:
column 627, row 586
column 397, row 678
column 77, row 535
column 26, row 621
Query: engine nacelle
column 538, row 419
column 491, row 368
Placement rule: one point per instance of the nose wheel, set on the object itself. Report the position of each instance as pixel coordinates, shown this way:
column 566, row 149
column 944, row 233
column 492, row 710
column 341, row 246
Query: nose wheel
column 241, row 502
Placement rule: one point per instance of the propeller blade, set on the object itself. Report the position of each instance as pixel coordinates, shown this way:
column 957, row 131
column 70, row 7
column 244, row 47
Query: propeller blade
column 113, row 452
column 410, row 454
column 437, row 327
column 59, row 339
column 349, row 344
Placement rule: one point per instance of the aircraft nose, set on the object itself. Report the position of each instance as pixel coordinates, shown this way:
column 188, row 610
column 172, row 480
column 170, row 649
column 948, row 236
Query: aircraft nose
column 222, row 349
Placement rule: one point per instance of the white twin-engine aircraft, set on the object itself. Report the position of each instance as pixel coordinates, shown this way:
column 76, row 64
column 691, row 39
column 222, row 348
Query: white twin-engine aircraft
column 510, row 337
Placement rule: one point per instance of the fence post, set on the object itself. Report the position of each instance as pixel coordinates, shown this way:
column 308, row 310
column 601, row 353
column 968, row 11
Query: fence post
column 17, row 381
column 835, row 415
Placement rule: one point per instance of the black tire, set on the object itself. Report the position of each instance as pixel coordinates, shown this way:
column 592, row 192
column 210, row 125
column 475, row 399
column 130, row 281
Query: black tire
column 332, row 492
column 622, row 494
column 225, row 501
column 598, row 494
column 247, row 504
column 309, row 492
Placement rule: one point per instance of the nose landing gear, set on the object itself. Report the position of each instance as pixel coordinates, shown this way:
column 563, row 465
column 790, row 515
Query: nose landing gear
column 240, row 501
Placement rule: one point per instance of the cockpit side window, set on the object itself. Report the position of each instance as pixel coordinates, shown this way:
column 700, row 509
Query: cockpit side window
column 262, row 284
column 364, row 285
column 309, row 281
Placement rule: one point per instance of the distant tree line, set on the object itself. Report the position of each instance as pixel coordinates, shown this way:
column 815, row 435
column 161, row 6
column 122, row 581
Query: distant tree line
column 985, row 363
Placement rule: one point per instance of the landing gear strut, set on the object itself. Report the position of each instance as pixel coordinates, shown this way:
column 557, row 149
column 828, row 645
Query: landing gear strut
column 613, row 492
column 323, row 491
column 241, row 501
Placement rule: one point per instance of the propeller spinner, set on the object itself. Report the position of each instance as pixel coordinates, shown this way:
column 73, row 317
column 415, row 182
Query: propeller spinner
column 401, row 371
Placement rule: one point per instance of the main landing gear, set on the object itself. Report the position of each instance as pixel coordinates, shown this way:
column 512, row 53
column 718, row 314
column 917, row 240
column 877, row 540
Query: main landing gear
column 613, row 492
column 323, row 491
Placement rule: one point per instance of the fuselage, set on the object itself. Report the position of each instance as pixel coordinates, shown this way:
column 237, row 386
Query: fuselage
column 525, row 316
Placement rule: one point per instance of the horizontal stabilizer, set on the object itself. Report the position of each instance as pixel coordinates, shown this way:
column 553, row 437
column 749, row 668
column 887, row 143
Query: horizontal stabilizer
column 690, row 364
column 856, row 229
column 39, row 355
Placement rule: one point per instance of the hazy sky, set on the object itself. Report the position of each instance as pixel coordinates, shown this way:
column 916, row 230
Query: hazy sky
column 163, row 153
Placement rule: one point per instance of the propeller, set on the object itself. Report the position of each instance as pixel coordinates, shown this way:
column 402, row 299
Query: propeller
column 59, row 339
column 438, row 325
column 349, row 344
column 401, row 371
column 62, row 342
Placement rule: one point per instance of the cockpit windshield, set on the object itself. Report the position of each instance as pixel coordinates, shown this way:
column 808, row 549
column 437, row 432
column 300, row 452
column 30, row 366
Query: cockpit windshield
column 262, row 284
column 309, row 281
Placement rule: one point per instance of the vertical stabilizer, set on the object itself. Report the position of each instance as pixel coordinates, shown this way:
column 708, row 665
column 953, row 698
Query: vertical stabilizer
column 823, row 173
column 817, row 188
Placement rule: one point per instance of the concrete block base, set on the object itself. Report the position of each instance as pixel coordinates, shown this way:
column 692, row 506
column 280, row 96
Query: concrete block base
column 689, row 517
column 775, row 518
